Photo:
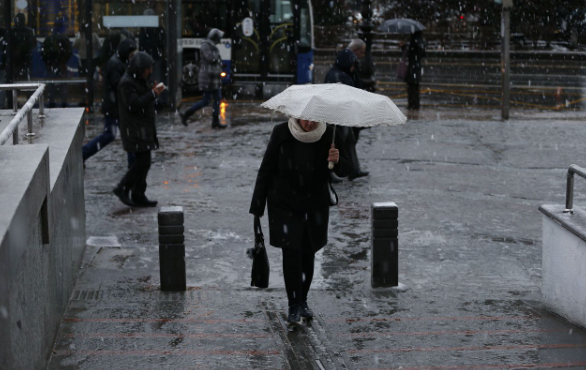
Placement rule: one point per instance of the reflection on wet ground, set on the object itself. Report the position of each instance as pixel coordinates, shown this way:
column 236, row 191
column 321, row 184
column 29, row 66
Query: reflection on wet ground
column 469, row 241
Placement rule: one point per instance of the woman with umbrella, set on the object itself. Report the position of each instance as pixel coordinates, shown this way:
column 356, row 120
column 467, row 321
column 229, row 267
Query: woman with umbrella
column 293, row 180
column 415, row 54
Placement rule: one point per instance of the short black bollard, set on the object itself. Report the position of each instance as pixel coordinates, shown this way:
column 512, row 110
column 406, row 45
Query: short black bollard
column 172, row 249
column 385, row 245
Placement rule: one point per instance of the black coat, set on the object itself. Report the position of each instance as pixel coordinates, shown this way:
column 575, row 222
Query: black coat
column 341, row 71
column 23, row 43
column 293, row 180
column 136, row 106
column 113, row 72
column 56, row 50
column 416, row 53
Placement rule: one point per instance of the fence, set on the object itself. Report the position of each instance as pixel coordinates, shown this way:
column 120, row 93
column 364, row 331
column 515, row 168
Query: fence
column 26, row 110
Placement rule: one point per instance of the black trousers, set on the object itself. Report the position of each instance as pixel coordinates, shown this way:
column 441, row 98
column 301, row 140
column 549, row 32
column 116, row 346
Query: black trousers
column 350, row 139
column 413, row 96
column 135, row 177
column 298, row 271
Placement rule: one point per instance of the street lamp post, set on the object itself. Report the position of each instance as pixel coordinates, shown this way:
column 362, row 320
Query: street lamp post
column 506, row 56
column 365, row 33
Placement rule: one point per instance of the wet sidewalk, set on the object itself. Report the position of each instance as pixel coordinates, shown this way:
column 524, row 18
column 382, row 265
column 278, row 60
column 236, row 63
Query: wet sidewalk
column 469, row 238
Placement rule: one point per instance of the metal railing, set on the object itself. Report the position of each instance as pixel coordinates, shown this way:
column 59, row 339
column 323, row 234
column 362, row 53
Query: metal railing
column 570, row 186
column 26, row 110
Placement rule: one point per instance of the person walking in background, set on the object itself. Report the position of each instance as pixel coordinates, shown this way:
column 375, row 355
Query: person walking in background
column 81, row 46
column 55, row 52
column 342, row 72
column 209, row 78
column 136, row 106
column 415, row 53
column 23, row 44
column 293, row 181
column 113, row 72
column 359, row 48
column 110, row 46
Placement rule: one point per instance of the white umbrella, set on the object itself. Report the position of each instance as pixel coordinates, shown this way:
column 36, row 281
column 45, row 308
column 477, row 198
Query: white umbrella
column 336, row 104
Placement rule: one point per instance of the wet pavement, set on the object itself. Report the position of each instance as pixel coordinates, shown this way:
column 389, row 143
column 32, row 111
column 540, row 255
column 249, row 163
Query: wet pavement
column 467, row 186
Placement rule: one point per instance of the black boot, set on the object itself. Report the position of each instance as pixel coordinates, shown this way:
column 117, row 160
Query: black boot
column 306, row 312
column 294, row 317
column 216, row 122
column 123, row 195
column 357, row 175
column 183, row 119
column 143, row 201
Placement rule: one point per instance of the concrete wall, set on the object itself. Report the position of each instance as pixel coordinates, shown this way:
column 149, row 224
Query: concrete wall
column 42, row 236
column 564, row 262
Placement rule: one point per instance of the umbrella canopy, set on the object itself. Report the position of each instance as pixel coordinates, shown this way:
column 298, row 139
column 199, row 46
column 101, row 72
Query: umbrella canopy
column 401, row 25
column 336, row 104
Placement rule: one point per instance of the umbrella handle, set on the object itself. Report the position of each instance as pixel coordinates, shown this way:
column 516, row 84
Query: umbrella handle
column 331, row 164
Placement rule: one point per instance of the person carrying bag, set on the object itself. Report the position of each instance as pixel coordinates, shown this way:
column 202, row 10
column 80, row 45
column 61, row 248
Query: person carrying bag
column 293, row 184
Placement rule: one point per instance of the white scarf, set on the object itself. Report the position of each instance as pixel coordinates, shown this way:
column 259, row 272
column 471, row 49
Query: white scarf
column 306, row 137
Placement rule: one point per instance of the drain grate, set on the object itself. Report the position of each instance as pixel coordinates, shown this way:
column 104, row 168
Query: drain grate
column 193, row 296
column 86, row 295
column 308, row 347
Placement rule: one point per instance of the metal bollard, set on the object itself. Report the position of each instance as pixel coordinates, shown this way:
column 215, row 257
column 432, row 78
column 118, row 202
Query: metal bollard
column 385, row 245
column 15, row 101
column 42, row 105
column 172, row 249
column 29, row 118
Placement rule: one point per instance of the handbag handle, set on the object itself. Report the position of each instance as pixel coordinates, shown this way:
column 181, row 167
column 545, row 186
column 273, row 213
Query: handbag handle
column 257, row 229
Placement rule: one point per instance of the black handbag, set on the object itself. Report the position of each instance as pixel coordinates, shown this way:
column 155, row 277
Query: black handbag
column 260, row 260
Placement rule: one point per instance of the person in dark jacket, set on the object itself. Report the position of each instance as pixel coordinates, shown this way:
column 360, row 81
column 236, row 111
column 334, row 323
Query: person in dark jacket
column 113, row 72
column 209, row 78
column 416, row 53
column 342, row 72
column 55, row 52
column 293, row 182
column 136, row 106
column 343, row 68
column 359, row 48
column 23, row 44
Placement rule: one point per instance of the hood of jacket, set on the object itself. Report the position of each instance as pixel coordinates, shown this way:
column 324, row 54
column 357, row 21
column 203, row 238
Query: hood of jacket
column 139, row 63
column 125, row 47
column 345, row 60
column 215, row 35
